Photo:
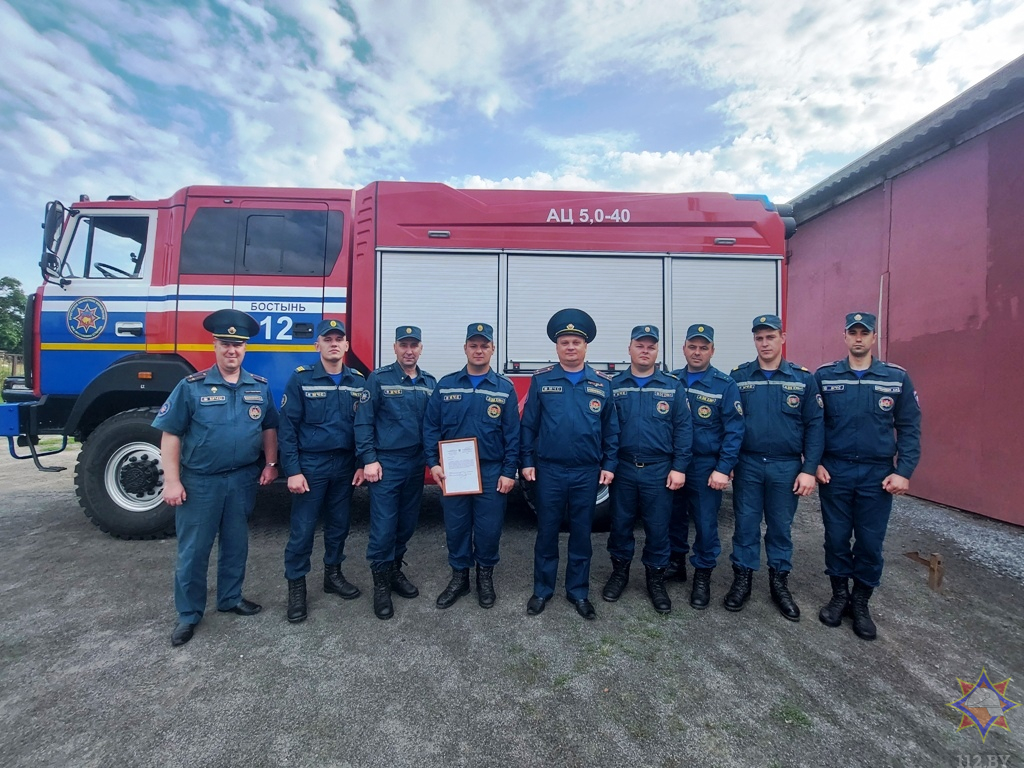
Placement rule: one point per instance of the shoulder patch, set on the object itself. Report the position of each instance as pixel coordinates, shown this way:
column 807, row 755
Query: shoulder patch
column 197, row 376
column 302, row 368
column 260, row 379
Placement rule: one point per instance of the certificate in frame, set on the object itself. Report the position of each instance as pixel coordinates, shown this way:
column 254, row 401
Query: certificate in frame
column 460, row 462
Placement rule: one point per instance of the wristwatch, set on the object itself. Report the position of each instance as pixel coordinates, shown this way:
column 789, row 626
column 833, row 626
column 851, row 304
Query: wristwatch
column 272, row 464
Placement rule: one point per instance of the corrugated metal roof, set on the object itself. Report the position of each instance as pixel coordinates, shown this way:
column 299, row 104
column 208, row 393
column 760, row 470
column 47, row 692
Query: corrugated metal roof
column 994, row 100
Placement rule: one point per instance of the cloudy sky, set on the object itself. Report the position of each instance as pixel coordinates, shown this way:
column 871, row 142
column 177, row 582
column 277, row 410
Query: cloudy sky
column 130, row 97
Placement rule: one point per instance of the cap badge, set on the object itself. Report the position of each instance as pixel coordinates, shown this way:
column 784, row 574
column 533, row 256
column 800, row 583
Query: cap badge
column 700, row 328
column 647, row 327
column 231, row 330
column 763, row 319
column 569, row 327
column 858, row 316
column 479, row 327
column 213, row 389
column 334, row 323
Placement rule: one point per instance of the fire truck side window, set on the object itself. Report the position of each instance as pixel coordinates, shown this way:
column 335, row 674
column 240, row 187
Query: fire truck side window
column 108, row 247
column 263, row 242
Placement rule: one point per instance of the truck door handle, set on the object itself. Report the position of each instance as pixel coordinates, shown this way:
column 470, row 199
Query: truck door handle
column 130, row 328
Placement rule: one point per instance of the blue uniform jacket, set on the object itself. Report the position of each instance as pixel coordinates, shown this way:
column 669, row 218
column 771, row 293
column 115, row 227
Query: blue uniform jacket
column 390, row 414
column 717, row 417
column 783, row 414
column 220, row 425
column 317, row 414
column 654, row 420
column 572, row 425
column 871, row 419
column 490, row 413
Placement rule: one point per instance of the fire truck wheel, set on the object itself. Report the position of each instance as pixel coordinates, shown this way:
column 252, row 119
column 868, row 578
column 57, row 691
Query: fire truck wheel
column 119, row 480
column 602, row 515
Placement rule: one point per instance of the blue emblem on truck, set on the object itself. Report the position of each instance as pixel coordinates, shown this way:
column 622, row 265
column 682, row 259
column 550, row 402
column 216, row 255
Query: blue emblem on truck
column 87, row 318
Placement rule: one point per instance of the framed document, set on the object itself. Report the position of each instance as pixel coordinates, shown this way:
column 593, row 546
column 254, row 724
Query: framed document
column 461, row 464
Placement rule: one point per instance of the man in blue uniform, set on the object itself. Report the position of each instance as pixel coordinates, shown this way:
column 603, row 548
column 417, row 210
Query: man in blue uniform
column 389, row 445
column 317, row 448
column 717, row 434
column 570, row 446
column 782, row 443
column 475, row 402
column 654, row 452
column 872, row 446
column 215, row 424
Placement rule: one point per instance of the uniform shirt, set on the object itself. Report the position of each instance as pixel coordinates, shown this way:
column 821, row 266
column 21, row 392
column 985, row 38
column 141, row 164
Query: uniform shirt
column 220, row 425
column 717, row 417
column 572, row 425
column 489, row 412
column 317, row 415
column 862, row 414
column 782, row 414
column 654, row 419
column 390, row 414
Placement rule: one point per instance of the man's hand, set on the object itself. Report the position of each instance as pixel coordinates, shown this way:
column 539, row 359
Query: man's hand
column 174, row 493
column 268, row 475
column 895, row 484
column 530, row 474
column 676, row 480
column 505, row 484
column 718, row 481
column 822, row 475
column 373, row 472
column 358, row 477
column 606, row 477
column 438, row 474
column 804, row 484
column 297, row 483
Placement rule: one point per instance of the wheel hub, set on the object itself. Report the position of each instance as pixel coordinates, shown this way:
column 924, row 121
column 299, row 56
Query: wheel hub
column 140, row 475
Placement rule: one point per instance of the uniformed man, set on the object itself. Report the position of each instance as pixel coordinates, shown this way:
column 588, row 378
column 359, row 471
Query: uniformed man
column 479, row 403
column 389, row 444
column 654, row 452
column 717, row 434
column 317, row 448
column 782, row 443
column 872, row 446
column 215, row 424
column 570, row 446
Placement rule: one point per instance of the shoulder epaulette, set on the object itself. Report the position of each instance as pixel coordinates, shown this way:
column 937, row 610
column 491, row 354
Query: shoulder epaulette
column 607, row 375
column 672, row 375
column 501, row 375
column 544, row 370
column 798, row 366
column 893, row 365
column 357, row 372
column 381, row 369
column 827, row 365
column 302, row 368
column 260, row 379
column 197, row 376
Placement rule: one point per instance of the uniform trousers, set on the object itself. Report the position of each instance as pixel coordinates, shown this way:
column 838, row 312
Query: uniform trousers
column 562, row 491
column 854, row 505
column 641, row 491
column 329, row 477
column 395, row 502
column 472, row 523
column 700, row 503
column 763, row 488
column 215, row 505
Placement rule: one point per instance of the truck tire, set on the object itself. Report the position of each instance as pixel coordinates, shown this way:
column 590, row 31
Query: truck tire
column 602, row 514
column 119, row 480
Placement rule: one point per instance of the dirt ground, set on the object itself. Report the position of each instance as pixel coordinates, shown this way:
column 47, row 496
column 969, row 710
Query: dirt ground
column 89, row 678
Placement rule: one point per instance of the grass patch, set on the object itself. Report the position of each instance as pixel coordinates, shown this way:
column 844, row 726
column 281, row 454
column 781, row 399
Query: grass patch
column 790, row 714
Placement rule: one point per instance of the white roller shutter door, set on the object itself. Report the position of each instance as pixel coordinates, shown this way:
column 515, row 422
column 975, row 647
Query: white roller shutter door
column 725, row 294
column 442, row 293
column 618, row 292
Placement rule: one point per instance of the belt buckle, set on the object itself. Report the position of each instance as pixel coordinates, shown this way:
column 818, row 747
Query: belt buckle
column 639, row 464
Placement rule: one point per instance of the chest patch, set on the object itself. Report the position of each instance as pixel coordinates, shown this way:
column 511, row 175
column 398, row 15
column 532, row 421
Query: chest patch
column 796, row 387
column 213, row 399
column 255, row 412
column 315, row 395
column 886, row 403
column 833, row 388
column 793, row 401
column 391, row 392
column 746, row 386
column 449, row 398
column 705, row 399
column 595, row 405
column 662, row 407
column 704, row 411
column 495, row 399
column 595, row 391
column 494, row 410
column 551, row 388
column 894, row 389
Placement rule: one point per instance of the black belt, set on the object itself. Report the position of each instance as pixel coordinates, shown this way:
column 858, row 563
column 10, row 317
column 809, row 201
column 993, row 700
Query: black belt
column 640, row 463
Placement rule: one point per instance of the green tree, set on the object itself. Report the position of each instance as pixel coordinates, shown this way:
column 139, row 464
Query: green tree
column 12, row 314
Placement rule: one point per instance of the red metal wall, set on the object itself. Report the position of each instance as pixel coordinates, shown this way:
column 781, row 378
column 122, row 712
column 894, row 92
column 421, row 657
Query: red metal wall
column 943, row 241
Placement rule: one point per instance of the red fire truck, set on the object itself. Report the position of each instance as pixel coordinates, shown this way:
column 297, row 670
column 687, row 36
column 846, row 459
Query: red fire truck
column 118, row 319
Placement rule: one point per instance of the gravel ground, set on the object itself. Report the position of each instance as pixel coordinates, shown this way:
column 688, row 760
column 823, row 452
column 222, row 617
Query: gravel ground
column 89, row 678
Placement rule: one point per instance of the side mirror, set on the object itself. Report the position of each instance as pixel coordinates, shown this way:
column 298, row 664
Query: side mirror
column 53, row 226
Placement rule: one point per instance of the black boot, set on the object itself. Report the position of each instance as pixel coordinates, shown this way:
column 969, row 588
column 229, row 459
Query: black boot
column 457, row 587
column 336, row 583
column 676, row 570
column 617, row 581
column 739, row 592
column 382, row 607
column 400, row 585
column 297, row 600
column 863, row 626
column 778, row 584
column 831, row 614
column 485, row 586
column 656, row 590
column 700, row 594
